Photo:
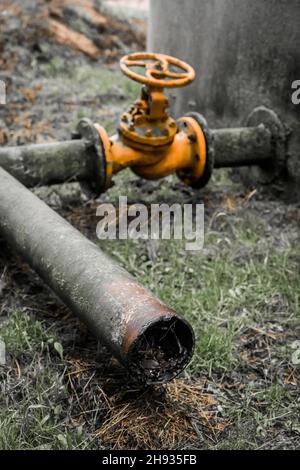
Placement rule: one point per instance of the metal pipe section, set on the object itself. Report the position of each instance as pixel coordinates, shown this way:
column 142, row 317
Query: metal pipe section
column 44, row 164
column 80, row 159
column 148, row 337
column 73, row 160
column 244, row 146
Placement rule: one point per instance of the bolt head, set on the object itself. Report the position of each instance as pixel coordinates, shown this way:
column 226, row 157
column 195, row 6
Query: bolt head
column 192, row 137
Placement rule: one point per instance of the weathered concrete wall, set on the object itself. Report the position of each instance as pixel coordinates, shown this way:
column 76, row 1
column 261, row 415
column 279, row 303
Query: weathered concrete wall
column 246, row 53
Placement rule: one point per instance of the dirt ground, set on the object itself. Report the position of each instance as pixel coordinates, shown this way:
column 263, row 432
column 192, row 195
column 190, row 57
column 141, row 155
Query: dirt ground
column 59, row 388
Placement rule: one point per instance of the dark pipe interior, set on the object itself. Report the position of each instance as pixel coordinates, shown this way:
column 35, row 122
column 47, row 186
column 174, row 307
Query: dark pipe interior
column 162, row 351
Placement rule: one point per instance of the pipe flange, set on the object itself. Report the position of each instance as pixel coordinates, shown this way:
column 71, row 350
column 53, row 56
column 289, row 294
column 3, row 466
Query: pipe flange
column 86, row 131
column 270, row 170
column 209, row 163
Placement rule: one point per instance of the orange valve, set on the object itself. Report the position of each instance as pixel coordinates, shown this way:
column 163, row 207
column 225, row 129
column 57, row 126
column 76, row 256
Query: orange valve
column 149, row 140
column 147, row 125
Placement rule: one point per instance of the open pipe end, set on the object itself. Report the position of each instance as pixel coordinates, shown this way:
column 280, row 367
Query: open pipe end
column 162, row 351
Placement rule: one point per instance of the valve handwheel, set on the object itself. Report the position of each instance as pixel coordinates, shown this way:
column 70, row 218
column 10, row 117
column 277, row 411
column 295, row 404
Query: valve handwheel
column 158, row 70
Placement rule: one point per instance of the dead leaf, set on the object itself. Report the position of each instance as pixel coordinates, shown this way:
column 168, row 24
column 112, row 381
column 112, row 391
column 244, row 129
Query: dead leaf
column 4, row 135
column 67, row 36
column 229, row 203
column 23, row 121
column 30, row 94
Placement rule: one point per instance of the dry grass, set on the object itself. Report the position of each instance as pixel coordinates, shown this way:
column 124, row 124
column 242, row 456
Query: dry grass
column 169, row 418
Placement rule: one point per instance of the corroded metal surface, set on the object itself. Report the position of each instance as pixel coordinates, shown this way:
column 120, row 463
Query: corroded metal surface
column 51, row 163
column 80, row 159
column 94, row 157
column 148, row 337
column 243, row 146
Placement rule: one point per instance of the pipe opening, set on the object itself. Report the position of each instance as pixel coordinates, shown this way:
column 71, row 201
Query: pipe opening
column 162, row 351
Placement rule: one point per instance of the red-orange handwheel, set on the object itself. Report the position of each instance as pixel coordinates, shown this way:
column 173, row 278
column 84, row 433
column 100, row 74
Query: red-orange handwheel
column 158, row 73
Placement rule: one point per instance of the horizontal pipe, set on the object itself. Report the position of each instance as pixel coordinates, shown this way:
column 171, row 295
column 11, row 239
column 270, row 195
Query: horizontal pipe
column 243, row 146
column 81, row 160
column 148, row 337
column 44, row 164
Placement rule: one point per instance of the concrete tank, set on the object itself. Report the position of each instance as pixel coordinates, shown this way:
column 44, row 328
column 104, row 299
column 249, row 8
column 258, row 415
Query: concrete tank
column 246, row 54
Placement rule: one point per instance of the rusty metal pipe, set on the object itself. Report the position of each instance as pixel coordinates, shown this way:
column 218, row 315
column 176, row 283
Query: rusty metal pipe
column 243, row 146
column 80, row 159
column 44, row 164
column 88, row 157
column 149, row 338
column 73, row 160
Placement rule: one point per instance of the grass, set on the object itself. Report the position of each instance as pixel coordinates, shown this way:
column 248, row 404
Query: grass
column 93, row 80
column 21, row 333
column 28, row 418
